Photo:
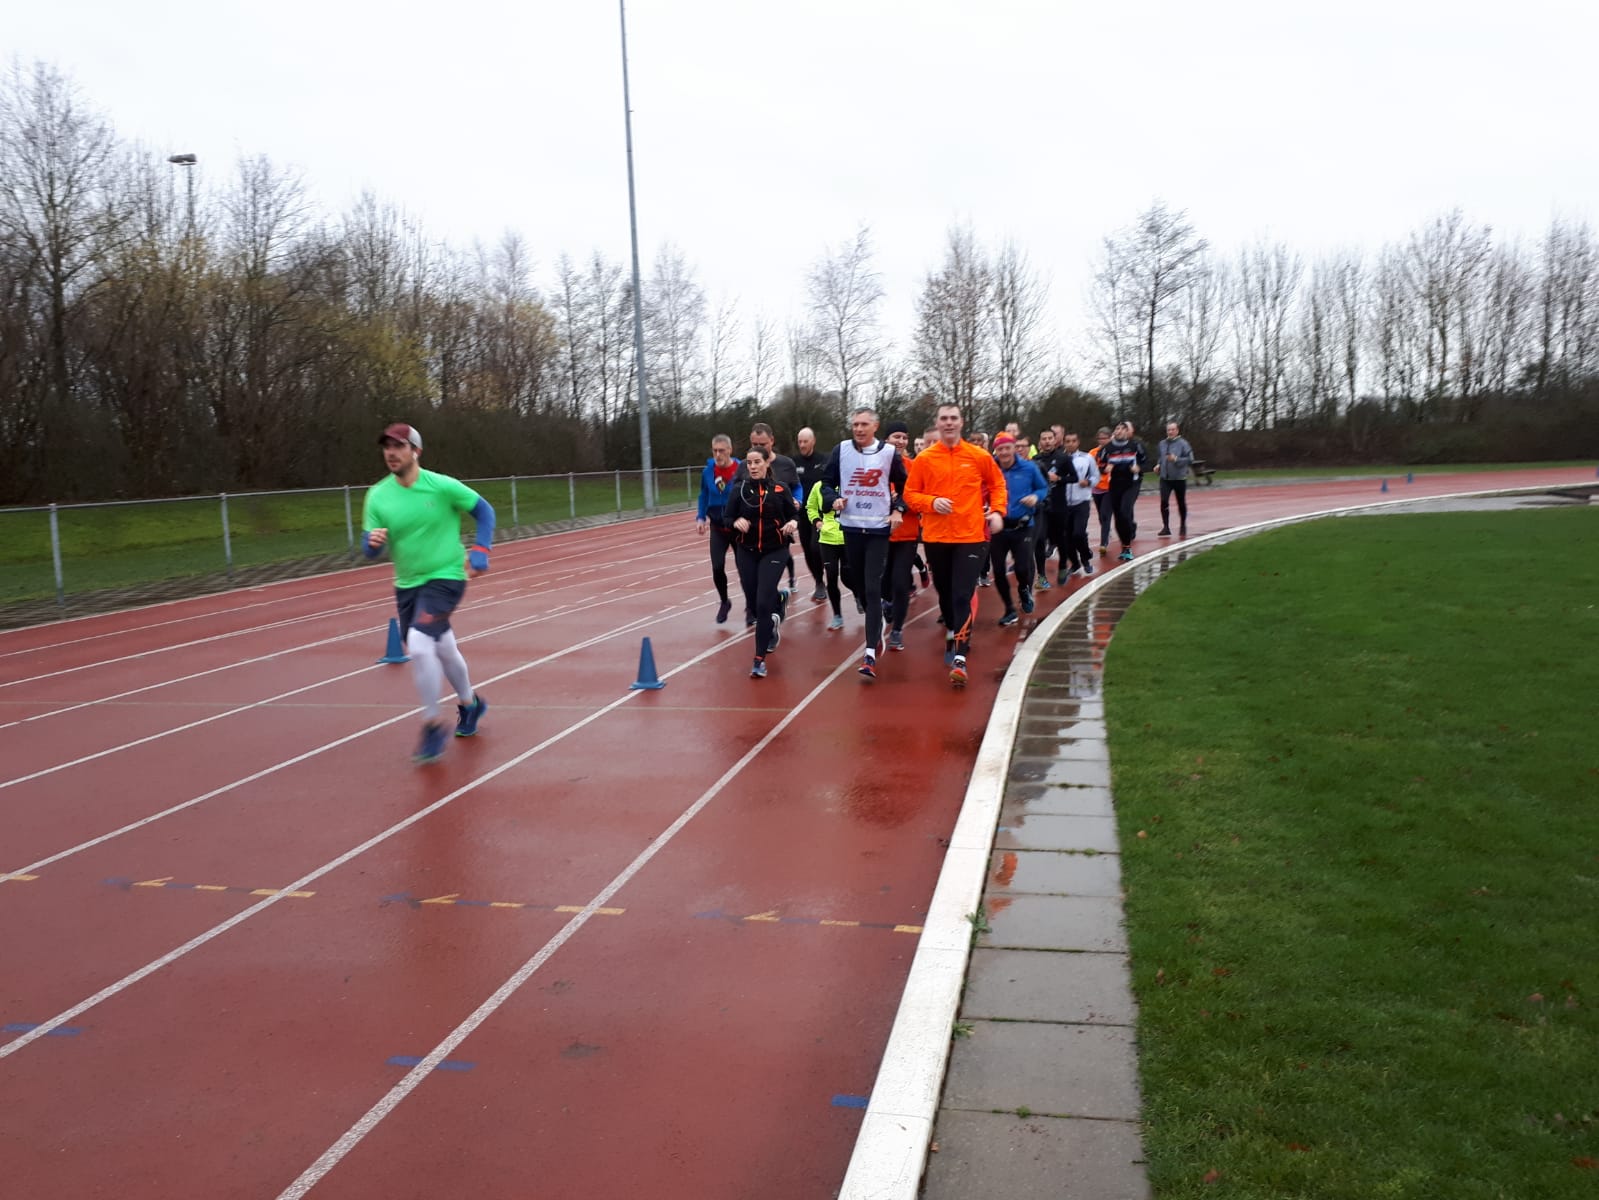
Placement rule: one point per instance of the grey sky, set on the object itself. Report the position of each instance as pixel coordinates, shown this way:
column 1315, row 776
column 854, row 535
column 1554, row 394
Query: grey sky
column 765, row 133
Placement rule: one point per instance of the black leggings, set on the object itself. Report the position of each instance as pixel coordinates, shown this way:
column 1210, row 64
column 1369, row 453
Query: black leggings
column 1074, row 550
column 1167, row 488
column 1018, row 544
column 867, row 553
column 955, row 567
column 1122, row 501
column 901, row 558
column 762, row 576
column 721, row 542
column 1102, row 506
column 832, row 558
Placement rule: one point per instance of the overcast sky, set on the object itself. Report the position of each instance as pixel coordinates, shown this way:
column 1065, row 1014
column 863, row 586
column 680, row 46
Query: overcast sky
column 765, row 133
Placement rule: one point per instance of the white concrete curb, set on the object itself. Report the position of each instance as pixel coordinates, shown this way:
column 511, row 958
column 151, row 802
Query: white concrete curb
column 891, row 1149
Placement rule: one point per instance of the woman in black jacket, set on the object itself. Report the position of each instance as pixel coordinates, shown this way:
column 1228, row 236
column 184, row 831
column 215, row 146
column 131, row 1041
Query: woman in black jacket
column 764, row 515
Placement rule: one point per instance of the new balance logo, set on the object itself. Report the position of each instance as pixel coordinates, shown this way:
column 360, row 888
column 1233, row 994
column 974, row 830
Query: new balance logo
column 862, row 477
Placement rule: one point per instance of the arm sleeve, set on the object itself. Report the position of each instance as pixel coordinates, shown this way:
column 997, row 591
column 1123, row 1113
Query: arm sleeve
column 998, row 494
column 830, row 479
column 483, row 513
column 705, row 495
column 916, row 499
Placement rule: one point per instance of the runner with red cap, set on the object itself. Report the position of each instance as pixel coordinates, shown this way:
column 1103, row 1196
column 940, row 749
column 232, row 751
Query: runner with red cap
column 416, row 515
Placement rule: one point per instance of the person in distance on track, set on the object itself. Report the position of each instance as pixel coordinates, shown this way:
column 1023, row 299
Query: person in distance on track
column 764, row 516
column 416, row 516
column 715, row 479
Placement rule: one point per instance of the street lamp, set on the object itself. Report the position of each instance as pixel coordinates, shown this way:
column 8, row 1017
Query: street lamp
column 187, row 162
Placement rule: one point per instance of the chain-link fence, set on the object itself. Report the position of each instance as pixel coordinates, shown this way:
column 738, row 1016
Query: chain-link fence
column 70, row 559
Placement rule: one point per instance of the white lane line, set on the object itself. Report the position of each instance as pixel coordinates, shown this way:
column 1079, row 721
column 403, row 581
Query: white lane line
column 521, row 622
column 507, row 575
column 531, row 545
column 641, row 623
column 331, row 1157
column 299, row 885
column 497, row 599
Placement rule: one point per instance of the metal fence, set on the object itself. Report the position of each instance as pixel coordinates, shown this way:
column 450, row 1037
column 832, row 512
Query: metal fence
column 61, row 558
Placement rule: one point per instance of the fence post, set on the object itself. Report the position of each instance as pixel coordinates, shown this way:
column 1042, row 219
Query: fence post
column 619, row 493
column 349, row 519
column 227, row 537
column 688, row 482
column 55, row 555
column 514, row 521
column 571, row 493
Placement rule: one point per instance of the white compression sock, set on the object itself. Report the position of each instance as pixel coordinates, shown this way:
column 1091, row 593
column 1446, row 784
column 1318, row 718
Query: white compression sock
column 454, row 664
column 426, row 671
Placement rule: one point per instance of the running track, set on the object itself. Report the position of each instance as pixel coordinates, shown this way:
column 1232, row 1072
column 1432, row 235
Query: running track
column 624, row 943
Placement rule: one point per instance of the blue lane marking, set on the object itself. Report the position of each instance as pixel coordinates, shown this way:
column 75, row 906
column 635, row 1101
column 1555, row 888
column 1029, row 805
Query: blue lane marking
column 29, row 1027
column 448, row 1064
column 842, row 1101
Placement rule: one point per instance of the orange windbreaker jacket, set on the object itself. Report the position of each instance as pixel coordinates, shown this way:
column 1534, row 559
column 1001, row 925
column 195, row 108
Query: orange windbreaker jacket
column 964, row 474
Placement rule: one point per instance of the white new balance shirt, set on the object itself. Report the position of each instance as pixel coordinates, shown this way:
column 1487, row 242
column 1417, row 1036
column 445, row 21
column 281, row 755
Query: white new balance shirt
column 864, row 484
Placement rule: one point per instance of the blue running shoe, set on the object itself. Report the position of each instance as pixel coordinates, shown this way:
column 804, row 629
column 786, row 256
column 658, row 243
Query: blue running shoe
column 758, row 671
column 896, row 640
column 868, row 667
column 468, row 715
column 1125, row 556
column 431, row 747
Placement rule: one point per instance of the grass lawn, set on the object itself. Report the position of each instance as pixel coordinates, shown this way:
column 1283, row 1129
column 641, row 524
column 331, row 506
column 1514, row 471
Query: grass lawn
column 1364, row 904
column 104, row 546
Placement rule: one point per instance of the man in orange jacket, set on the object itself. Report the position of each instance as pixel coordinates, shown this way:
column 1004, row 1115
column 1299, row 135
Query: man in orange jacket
column 948, row 484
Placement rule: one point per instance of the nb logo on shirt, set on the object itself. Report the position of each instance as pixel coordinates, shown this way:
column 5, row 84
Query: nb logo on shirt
column 868, row 478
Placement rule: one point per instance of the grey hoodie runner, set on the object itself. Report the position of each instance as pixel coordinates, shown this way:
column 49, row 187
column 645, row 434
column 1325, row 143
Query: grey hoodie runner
column 1185, row 456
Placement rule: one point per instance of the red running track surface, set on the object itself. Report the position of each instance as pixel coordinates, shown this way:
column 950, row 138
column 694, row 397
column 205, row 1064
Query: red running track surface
column 623, row 943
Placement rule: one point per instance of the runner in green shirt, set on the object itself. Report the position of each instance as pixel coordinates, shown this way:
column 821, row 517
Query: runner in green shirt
column 416, row 514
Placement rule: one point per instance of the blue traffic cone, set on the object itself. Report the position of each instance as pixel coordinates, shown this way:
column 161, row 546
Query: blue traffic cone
column 1385, row 485
column 1410, row 477
column 647, row 678
column 395, row 652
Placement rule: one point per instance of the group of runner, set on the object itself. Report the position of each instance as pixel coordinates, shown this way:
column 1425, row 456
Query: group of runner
column 864, row 515
column 868, row 517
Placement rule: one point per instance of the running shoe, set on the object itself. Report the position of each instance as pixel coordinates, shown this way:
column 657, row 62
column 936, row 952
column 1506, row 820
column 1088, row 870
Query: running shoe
column 1009, row 618
column 1165, row 531
column 758, row 671
column 1125, row 556
column 777, row 633
column 431, row 747
column 984, row 581
column 836, row 623
column 868, row 667
column 819, row 594
column 1103, row 550
column 896, row 640
column 1043, row 585
column 1088, row 569
column 927, row 580
column 957, row 671
column 468, row 715
column 1027, row 599
column 722, row 609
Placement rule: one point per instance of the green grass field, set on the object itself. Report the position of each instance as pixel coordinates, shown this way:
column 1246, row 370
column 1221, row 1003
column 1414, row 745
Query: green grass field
column 1358, row 791
column 108, row 546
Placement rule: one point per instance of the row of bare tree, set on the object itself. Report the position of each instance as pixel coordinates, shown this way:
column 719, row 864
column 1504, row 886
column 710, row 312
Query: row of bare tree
column 157, row 337
column 1433, row 328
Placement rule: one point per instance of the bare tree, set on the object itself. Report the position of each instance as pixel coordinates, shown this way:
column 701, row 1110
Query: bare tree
column 721, row 371
column 1442, row 265
column 845, row 294
column 1162, row 256
column 1201, row 321
column 1019, row 353
column 1568, row 307
column 1265, row 282
column 953, row 349
column 674, row 321
column 763, row 360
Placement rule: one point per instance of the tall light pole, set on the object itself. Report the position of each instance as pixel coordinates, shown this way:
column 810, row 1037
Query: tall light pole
column 187, row 162
column 638, row 295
